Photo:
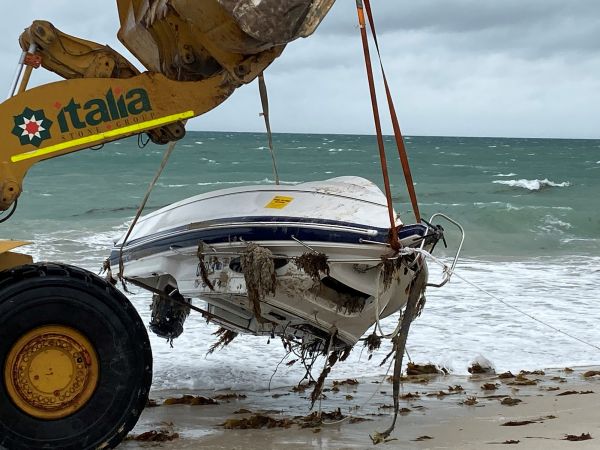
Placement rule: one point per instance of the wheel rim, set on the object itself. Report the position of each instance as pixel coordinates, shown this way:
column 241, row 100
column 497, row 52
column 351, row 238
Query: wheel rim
column 51, row 372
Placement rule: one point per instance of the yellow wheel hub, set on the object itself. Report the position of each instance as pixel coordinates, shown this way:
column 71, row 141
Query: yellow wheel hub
column 51, row 372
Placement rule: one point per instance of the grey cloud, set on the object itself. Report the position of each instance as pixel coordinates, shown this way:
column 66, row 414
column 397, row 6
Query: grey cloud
column 457, row 67
column 533, row 27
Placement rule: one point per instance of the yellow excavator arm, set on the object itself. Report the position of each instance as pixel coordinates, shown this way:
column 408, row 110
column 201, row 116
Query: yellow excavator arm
column 196, row 52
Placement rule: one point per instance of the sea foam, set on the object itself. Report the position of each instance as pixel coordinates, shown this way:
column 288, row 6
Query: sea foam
column 532, row 185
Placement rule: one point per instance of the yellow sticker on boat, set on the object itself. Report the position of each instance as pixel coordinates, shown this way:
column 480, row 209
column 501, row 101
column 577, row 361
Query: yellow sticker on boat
column 279, row 202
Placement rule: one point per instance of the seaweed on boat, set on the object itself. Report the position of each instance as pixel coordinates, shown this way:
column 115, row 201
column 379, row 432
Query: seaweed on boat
column 372, row 342
column 353, row 305
column 225, row 337
column 313, row 263
column 416, row 289
column 202, row 271
column 333, row 358
column 259, row 274
column 388, row 268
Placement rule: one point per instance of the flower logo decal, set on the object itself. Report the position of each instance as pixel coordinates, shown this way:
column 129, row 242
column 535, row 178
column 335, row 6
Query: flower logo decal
column 32, row 127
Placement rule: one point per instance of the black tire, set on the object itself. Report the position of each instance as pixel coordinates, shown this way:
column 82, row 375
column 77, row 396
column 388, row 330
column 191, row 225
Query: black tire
column 54, row 294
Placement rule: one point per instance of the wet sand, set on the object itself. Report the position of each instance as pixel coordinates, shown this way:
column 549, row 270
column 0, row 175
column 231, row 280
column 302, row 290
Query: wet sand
column 436, row 416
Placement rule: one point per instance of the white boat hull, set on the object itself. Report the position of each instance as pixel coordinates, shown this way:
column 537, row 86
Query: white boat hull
column 350, row 227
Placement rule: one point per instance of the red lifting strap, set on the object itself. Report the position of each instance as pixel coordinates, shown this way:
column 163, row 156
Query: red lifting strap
column 397, row 133
column 393, row 238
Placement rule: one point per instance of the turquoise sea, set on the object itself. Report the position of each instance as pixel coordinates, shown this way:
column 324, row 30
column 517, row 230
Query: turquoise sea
column 530, row 208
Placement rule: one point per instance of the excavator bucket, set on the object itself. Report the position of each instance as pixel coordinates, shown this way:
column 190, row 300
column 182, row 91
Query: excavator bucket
column 195, row 39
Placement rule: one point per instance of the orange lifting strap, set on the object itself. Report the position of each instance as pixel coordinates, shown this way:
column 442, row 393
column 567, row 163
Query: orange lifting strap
column 397, row 133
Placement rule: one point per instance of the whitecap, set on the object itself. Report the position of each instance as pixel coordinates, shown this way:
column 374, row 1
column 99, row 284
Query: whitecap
column 172, row 185
column 553, row 221
column 199, row 142
column 532, row 185
column 505, row 174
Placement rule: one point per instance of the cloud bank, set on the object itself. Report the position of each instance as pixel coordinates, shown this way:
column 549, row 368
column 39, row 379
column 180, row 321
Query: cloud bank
column 526, row 68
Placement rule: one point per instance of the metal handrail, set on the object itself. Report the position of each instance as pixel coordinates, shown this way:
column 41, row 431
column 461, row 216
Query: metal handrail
column 448, row 272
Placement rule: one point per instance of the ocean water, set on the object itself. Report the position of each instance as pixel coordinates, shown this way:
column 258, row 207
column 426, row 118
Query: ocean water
column 530, row 209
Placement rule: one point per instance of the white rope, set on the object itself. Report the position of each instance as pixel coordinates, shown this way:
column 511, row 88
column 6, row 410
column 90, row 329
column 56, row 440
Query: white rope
column 140, row 209
column 449, row 272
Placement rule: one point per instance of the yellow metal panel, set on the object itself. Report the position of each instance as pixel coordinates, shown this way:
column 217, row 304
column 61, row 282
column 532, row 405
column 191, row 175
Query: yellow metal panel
column 8, row 260
column 6, row 245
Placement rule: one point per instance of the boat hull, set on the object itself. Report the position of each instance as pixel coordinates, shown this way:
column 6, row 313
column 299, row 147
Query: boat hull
column 200, row 254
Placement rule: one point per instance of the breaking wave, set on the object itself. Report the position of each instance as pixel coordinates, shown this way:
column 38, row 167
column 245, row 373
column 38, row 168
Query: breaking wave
column 532, row 185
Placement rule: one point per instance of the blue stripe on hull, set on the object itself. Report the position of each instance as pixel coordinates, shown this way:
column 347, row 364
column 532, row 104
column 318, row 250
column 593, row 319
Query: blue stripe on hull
column 183, row 237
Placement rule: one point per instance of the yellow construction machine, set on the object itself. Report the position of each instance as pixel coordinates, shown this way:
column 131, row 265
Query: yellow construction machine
column 75, row 359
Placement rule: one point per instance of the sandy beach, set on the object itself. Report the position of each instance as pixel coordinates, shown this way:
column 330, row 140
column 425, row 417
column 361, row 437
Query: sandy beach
column 553, row 408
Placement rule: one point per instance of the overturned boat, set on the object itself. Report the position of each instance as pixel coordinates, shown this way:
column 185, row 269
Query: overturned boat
column 308, row 261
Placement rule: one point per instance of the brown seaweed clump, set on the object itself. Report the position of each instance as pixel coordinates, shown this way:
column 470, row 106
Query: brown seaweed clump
column 318, row 390
column 155, row 436
column 591, row 373
column 373, row 343
column 518, row 423
column 509, row 401
column 259, row 274
column 313, row 263
column 522, row 380
column 347, row 382
column 470, row 401
column 202, row 266
column 316, row 418
column 257, row 421
column 506, row 375
column 225, row 337
column 389, row 267
column 229, row 396
column 574, row 393
column 478, row 369
column 422, row 369
column 190, row 400
column 574, row 437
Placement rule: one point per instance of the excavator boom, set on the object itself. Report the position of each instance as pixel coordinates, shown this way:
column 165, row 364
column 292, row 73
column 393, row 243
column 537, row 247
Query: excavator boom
column 196, row 53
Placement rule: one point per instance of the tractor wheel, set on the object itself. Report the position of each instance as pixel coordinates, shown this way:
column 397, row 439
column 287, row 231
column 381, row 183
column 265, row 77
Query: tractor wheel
column 75, row 360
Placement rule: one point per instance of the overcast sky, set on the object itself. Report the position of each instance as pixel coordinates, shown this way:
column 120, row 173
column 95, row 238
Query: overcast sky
column 517, row 68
